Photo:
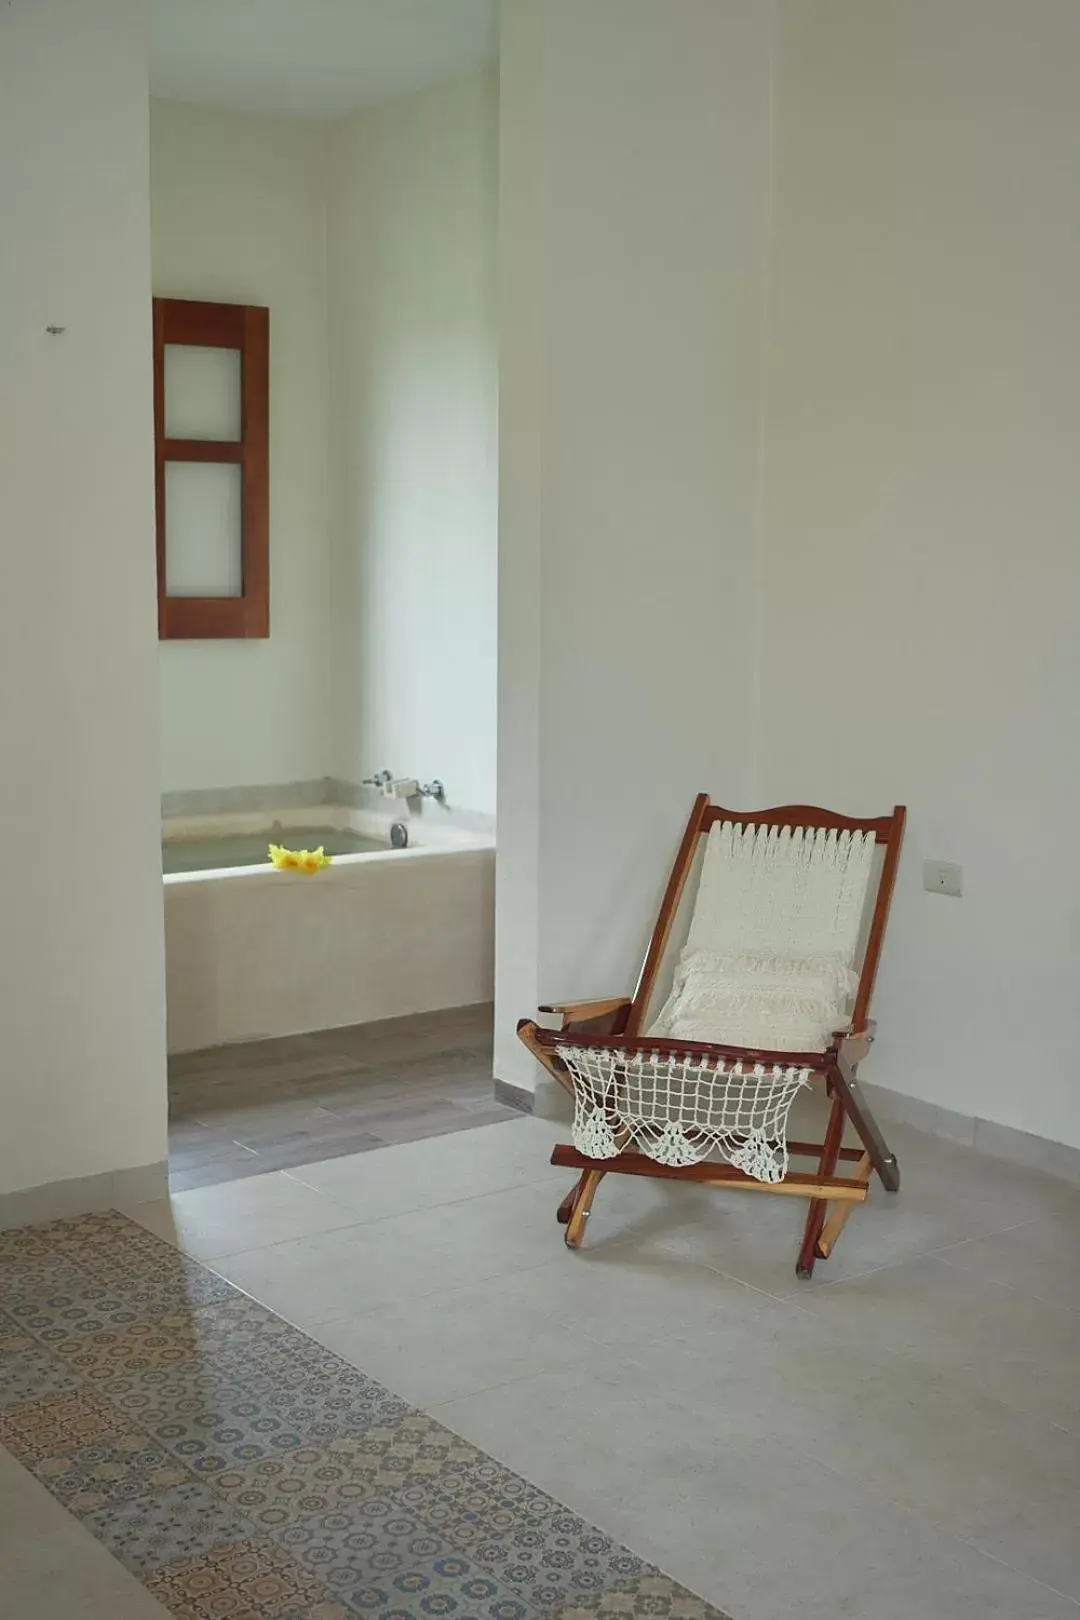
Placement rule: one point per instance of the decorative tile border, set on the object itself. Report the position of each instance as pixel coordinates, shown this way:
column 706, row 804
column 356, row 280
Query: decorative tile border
column 237, row 1468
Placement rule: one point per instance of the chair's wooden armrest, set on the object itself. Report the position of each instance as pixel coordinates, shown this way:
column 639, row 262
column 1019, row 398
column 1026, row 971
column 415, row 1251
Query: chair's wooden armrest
column 606, row 1016
column 576, row 1011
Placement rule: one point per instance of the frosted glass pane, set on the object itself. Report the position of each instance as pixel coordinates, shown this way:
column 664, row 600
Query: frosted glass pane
column 202, row 392
column 203, row 554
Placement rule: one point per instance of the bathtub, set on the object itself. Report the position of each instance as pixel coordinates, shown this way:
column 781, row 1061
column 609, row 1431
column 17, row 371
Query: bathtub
column 252, row 953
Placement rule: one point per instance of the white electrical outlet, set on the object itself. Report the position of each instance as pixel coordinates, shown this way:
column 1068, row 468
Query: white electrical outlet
column 942, row 877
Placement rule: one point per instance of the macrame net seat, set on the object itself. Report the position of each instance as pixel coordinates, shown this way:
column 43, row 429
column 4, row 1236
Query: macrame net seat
column 680, row 1109
column 768, row 965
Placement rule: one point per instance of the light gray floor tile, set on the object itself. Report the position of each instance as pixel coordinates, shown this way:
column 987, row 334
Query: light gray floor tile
column 484, row 1339
column 52, row 1568
column 324, row 1277
column 913, row 1427
column 776, row 1537
column 501, row 1233
column 783, row 1539
column 1039, row 1258
column 334, row 1274
column 922, row 1306
column 420, row 1175
column 889, row 1442
column 741, row 1517
column 756, row 1239
column 617, row 1295
column 1002, row 1342
column 236, row 1215
column 576, row 1429
column 981, row 1191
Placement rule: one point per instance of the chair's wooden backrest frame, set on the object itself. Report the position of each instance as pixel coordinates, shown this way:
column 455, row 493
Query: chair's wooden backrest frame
column 887, row 830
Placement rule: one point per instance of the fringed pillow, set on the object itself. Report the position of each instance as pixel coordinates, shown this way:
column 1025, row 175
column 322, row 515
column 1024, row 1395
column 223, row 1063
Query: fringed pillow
column 775, row 1002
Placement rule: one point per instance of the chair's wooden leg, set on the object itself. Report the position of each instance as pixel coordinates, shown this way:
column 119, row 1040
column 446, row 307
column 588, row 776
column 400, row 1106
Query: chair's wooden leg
column 819, row 1207
column 845, row 1085
column 575, row 1228
column 566, row 1208
column 840, row 1212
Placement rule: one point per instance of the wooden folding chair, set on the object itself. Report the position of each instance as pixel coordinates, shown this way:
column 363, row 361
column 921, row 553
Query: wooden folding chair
column 716, row 1113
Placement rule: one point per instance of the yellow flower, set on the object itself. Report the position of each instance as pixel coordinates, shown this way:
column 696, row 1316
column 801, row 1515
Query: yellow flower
column 298, row 860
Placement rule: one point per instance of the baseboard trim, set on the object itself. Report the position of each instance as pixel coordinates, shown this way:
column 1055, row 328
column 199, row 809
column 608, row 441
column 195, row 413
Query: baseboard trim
column 984, row 1135
column 514, row 1096
column 84, row 1195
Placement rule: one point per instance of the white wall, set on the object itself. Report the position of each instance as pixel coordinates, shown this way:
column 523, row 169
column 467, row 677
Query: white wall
column 634, row 194
column 372, row 239
column 413, row 388
column 889, row 615
column 82, row 1085
column 921, row 565
column 238, row 212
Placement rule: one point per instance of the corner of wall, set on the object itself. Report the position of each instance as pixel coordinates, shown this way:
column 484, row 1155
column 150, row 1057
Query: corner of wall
column 756, row 762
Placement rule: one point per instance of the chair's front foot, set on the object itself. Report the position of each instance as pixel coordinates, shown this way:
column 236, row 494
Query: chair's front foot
column 582, row 1208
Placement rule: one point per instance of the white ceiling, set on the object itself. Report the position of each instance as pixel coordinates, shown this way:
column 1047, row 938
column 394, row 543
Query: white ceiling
column 313, row 58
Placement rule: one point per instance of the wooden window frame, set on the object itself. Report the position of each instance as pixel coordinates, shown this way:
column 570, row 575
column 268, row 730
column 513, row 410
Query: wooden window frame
column 245, row 327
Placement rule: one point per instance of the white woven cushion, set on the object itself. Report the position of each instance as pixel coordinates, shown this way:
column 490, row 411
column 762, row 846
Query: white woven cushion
column 774, row 1001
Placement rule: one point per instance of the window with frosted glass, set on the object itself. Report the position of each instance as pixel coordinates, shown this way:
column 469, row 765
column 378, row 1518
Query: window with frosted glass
column 211, row 434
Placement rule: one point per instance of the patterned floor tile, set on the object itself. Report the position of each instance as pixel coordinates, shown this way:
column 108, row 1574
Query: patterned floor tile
column 246, row 1473
column 94, row 1243
column 449, row 1585
column 494, row 1496
column 412, row 1451
column 184, row 1522
column 236, row 1332
column 14, row 1340
column 27, row 1375
column 554, row 1559
column 75, row 1312
column 151, row 1395
column 229, row 1431
column 279, row 1491
column 37, row 1277
column 208, row 1418
column 174, row 1282
column 165, row 1341
column 123, row 1468
column 47, row 1427
column 542, row 1552
column 247, row 1580
column 241, row 1334
column 654, row 1595
column 369, row 1545
column 338, row 1404
column 25, row 1245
